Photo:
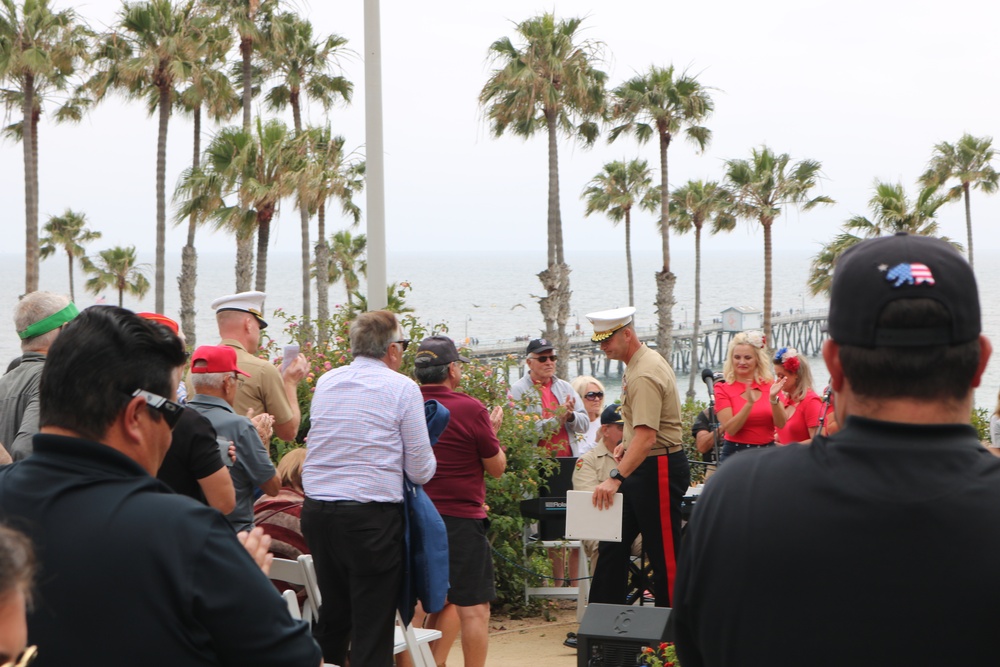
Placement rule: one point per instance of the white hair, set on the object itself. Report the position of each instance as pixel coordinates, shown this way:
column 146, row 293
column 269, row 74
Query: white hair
column 35, row 307
column 208, row 380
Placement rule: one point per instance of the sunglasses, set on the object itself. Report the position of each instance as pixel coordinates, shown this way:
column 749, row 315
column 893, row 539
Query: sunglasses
column 404, row 343
column 171, row 411
column 543, row 358
column 594, row 395
column 23, row 659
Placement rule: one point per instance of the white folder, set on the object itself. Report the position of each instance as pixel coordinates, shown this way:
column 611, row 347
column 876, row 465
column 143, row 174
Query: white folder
column 586, row 522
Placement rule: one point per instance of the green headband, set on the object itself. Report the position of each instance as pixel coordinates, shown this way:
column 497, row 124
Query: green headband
column 53, row 321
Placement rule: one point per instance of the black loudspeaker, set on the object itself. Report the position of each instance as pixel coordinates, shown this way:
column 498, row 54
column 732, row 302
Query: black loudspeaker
column 612, row 635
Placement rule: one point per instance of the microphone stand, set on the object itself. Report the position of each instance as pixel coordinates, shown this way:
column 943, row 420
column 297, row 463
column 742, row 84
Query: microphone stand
column 713, row 422
column 826, row 406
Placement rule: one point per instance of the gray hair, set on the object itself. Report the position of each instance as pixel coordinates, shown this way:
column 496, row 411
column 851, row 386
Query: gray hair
column 208, row 380
column 35, row 307
column 431, row 374
column 372, row 333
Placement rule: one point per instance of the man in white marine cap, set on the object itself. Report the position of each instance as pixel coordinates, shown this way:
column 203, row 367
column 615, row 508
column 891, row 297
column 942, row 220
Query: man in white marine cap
column 651, row 462
column 241, row 318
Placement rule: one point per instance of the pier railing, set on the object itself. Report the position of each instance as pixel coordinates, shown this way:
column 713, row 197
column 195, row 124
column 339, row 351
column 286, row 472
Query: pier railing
column 802, row 330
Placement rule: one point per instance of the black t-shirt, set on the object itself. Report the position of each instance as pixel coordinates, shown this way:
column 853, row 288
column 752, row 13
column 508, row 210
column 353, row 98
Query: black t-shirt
column 193, row 455
column 878, row 543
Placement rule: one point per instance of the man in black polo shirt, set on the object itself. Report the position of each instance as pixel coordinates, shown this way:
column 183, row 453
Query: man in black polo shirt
column 877, row 545
column 130, row 573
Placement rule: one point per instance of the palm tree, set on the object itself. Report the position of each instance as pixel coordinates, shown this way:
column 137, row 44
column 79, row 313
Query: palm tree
column 347, row 260
column 67, row 231
column 40, row 50
column 254, row 171
column 691, row 206
column 619, row 187
column 761, row 186
column 210, row 89
column 547, row 81
column 968, row 161
column 658, row 104
column 328, row 175
column 155, row 45
column 116, row 267
column 303, row 65
column 249, row 20
column 892, row 213
column 395, row 301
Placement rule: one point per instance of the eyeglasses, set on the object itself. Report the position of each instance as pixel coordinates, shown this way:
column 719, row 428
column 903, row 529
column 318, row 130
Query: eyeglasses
column 171, row 411
column 239, row 383
column 594, row 395
column 404, row 343
column 23, row 659
column 543, row 358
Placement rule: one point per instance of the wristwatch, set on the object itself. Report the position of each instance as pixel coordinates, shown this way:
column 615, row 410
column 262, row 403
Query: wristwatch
column 614, row 474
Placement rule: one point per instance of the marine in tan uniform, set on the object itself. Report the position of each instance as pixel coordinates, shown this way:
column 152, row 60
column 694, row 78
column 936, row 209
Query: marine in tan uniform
column 652, row 472
column 267, row 390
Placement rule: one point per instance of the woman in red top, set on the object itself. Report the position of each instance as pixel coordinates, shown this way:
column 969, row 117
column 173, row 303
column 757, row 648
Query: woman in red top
column 747, row 404
column 802, row 405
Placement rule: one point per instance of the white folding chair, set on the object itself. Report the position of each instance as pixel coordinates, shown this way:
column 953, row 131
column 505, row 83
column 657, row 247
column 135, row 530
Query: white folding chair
column 293, row 572
column 293, row 604
column 406, row 638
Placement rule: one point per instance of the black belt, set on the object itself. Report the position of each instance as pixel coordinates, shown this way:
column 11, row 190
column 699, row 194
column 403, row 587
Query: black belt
column 750, row 444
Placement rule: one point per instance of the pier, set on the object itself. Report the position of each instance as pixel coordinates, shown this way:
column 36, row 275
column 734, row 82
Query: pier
column 803, row 331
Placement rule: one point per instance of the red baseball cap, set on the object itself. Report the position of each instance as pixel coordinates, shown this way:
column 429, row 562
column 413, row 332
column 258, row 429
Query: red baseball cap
column 161, row 319
column 215, row 359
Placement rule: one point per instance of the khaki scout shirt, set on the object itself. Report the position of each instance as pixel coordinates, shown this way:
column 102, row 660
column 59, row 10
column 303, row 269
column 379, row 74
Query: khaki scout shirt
column 593, row 468
column 650, row 398
column 264, row 390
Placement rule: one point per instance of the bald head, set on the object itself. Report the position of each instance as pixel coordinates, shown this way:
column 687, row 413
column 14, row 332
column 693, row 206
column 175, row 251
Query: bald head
column 239, row 326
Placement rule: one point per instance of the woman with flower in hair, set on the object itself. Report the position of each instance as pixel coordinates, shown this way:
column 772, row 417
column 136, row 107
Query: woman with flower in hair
column 802, row 405
column 747, row 404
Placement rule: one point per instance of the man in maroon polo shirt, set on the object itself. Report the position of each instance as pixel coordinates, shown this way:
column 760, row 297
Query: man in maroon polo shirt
column 466, row 448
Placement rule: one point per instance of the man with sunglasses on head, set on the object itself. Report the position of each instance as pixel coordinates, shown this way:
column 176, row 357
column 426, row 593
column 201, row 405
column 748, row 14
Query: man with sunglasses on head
column 215, row 378
column 368, row 430
column 554, row 399
column 130, row 573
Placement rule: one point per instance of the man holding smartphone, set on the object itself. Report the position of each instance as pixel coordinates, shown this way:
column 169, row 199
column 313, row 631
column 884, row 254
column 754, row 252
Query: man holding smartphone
column 266, row 389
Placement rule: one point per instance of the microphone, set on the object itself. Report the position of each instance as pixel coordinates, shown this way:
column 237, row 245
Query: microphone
column 708, row 377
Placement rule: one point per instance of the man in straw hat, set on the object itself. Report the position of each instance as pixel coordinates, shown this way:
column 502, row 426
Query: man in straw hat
column 652, row 472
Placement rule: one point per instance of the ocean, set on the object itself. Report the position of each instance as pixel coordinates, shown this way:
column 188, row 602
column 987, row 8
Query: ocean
column 492, row 297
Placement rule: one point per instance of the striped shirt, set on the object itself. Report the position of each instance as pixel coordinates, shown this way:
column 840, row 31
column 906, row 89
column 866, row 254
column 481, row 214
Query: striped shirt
column 368, row 426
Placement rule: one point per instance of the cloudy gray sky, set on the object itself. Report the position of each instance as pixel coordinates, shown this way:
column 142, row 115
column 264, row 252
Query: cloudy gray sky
column 867, row 88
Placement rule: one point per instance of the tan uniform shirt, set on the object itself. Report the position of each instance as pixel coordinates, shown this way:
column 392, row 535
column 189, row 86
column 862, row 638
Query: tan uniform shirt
column 650, row 398
column 264, row 390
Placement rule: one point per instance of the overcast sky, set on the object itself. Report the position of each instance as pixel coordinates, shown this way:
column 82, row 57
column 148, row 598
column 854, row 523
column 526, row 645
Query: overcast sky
column 866, row 88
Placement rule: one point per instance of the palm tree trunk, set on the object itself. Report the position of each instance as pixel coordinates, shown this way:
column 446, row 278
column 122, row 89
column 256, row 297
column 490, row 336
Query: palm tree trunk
column 263, row 238
column 304, row 224
column 628, row 255
column 968, row 218
column 555, row 278
column 246, row 51
column 244, row 261
column 697, row 310
column 322, row 276
column 72, row 295
column 189, row 255
column 766, row 224
column 30, row 188
column 161, row 196
column 665, row 280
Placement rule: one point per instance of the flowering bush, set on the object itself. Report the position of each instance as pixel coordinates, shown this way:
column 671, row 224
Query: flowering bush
column 665, row 655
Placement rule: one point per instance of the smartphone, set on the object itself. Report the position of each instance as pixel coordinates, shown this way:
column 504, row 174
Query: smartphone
column 291, row 351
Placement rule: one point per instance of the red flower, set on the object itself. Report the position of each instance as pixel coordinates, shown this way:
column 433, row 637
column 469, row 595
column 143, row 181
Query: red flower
column 664, row 645
column 791, row 365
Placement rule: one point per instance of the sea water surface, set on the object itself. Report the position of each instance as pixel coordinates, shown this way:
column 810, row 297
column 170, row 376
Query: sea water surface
column 493, row 296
